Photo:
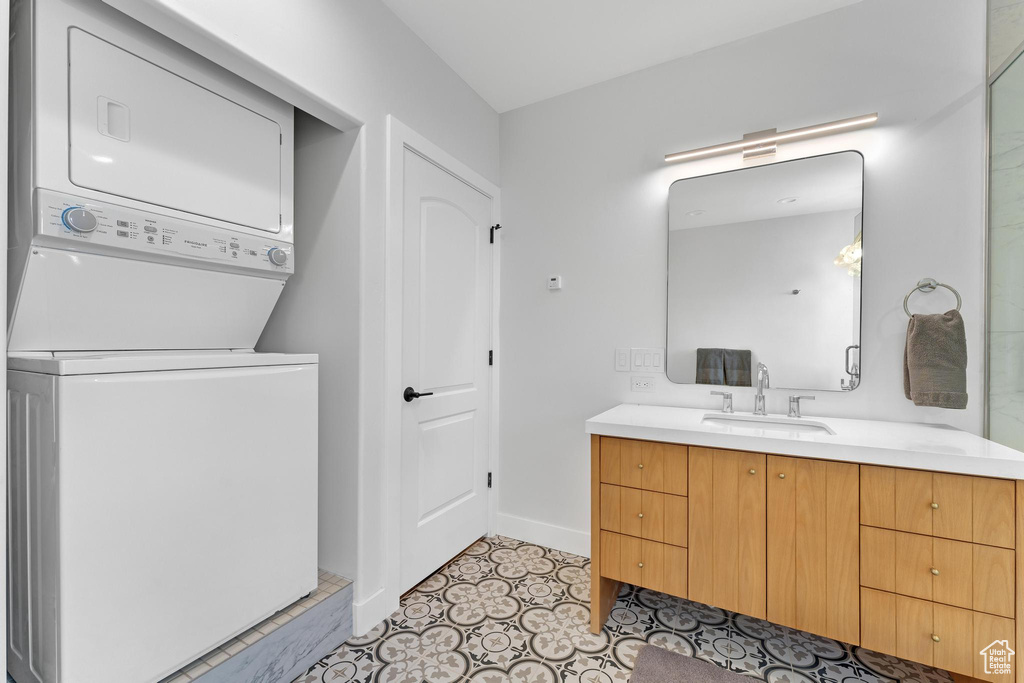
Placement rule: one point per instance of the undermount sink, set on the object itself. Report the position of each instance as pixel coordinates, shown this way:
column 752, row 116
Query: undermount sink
column 767, row 423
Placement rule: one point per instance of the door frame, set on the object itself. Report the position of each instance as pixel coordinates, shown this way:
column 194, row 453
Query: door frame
column 399, row 139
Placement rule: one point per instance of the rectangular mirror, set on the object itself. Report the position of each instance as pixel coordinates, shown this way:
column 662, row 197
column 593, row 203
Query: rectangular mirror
column 764, row 266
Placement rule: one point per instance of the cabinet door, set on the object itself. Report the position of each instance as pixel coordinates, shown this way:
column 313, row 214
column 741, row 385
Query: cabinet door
column 812, row 546
column 727, row 530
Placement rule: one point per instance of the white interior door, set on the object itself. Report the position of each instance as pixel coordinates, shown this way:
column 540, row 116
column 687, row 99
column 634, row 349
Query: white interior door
column 446, row 322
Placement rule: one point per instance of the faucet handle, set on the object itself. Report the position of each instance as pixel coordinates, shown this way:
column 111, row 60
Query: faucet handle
column 794, row 404
column 726, row 400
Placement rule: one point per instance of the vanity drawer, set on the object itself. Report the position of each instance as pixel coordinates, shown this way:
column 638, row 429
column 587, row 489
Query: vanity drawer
column 644, row 465
column 931, row 633
column 967, row 575
column 960, row 507
column 655, row 516
column 648, row 564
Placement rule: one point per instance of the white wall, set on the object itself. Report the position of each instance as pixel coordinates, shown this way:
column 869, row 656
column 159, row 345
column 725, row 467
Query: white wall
column 348, row 63
column 585, row 196
column 731, row 286
column 318, row 312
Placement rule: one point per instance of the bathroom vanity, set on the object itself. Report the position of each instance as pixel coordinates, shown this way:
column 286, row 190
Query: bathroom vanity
column 905, row 539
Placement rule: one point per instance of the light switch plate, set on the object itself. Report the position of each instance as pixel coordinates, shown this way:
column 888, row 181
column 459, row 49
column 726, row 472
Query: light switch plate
column 641, row 383
column 621, row 360
column 647, row 360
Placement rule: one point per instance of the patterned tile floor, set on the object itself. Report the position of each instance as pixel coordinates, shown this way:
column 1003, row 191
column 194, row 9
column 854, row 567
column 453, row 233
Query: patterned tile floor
column 511, row 612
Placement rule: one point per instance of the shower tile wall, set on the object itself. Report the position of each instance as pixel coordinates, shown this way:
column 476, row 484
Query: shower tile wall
column 1005, row 30
column 1006, row 254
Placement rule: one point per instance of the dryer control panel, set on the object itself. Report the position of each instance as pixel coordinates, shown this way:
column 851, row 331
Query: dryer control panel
column 103, row 227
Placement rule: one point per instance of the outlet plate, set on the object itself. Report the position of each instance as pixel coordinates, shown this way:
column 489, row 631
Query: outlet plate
column 641, row 383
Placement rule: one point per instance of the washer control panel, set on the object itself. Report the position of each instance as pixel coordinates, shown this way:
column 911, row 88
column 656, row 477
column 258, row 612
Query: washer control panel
column 84, row 222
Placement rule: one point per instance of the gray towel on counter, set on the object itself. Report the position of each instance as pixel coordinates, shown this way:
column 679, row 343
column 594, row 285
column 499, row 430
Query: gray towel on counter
column 737, row 367
column 710, row 366
column 935, row 361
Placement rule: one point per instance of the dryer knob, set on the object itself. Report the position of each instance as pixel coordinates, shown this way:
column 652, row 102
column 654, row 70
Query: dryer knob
column 78, row 219
column 278, row 257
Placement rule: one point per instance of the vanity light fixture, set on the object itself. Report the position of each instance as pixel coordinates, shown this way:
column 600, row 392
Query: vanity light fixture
column 763, row 143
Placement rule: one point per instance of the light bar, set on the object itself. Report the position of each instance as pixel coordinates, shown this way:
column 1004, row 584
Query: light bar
column 809, row 131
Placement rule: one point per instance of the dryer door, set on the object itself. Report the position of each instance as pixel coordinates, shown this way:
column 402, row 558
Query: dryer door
column 140, row 131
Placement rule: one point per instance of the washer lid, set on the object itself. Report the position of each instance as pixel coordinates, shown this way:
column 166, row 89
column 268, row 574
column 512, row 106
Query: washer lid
column 108, row 362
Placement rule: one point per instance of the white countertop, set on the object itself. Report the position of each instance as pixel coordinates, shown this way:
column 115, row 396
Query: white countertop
column 870, row 442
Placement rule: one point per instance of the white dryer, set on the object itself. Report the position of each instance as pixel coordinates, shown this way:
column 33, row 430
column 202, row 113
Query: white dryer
column 162, row 474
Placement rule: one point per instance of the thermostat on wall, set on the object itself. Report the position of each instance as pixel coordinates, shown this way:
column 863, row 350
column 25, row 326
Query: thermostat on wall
column 555, row 282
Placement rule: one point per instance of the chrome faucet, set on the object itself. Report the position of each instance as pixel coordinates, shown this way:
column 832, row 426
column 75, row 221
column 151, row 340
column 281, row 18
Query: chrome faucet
column 763, row 382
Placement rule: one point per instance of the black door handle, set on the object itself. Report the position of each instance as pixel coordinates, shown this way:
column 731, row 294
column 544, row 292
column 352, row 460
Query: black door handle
column 409, row 394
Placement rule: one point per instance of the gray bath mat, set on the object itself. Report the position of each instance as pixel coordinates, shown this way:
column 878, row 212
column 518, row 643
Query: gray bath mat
column 657, row 665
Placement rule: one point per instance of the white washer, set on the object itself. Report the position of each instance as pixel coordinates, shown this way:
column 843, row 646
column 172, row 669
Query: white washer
column 162, row 488
column 161, row 504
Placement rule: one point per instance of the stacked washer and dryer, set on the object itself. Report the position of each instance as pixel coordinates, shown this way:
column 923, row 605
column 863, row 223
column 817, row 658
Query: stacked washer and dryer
column 162, row 488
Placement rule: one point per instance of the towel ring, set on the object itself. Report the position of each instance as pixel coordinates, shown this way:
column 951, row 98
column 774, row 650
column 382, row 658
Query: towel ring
column 929, row 285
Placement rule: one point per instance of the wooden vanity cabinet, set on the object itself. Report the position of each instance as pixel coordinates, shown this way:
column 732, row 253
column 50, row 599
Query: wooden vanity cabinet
column 922, row 565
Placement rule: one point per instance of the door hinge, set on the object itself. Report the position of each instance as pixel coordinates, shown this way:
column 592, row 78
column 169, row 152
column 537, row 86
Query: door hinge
column 490, row 357
column 493, row 228
column 489, row 480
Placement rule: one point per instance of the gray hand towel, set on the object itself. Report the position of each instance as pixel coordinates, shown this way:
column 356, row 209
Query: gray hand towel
column 737, row 367
column 710, row 366
column 935, row 361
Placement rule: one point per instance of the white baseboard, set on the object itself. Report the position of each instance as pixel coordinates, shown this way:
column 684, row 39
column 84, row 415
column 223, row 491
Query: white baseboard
column 369, row 612
column 542, row 533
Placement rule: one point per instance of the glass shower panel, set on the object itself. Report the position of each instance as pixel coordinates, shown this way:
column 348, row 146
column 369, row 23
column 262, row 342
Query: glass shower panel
column 1006, row 258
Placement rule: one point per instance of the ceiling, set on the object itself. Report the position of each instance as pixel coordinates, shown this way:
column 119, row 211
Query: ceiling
column 517, row 52
column 832, row 182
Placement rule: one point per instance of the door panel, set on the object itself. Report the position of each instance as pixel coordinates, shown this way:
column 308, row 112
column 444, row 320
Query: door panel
column 813, row 578
column 727, row 530
column 127, row 116
column 446, row 319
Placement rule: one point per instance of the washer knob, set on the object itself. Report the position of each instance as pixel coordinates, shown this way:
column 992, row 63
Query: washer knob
column 78, row 219
column 278, row 257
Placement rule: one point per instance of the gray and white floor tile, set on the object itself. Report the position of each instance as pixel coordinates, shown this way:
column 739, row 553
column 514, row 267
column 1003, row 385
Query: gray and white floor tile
column 506, row 611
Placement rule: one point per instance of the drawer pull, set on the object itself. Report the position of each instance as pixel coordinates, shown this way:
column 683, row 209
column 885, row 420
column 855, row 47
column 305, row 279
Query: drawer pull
column 641, row 465
column 640, row 564
column 753, row 471
column 936, row 638
column 935, row 572
column 782, row 475
column 935, row 506
column 641, row 515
